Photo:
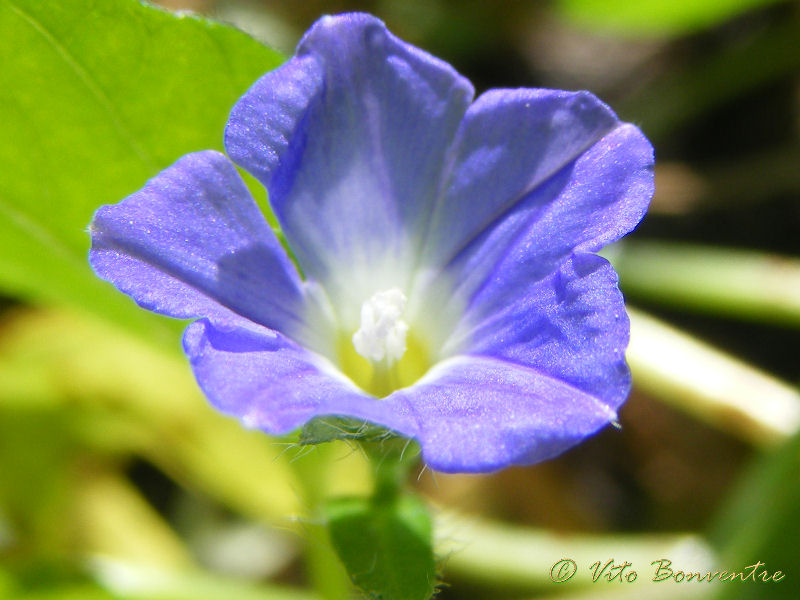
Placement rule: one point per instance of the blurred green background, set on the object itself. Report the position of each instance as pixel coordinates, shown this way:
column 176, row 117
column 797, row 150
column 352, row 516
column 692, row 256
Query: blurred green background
column 118, row 481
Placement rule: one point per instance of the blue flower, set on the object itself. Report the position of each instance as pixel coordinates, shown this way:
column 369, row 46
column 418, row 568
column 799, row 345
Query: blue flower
column 449, row 287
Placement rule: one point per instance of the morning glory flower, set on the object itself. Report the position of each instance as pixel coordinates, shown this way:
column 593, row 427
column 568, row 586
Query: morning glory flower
column 442, row 280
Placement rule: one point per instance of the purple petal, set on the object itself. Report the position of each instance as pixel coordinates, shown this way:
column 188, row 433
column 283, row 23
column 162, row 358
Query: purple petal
column 539, row 174
column 350, row 137
column 267, row 126
column 546, row 369
column 193, row 243
column 479, row 414
column 569, row 326
column 272, row 383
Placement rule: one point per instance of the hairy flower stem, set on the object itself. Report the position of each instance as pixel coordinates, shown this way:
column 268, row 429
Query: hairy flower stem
column 391, row 462
column 325, row 572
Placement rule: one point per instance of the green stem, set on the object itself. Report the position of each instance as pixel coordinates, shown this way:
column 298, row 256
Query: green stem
column 391, row 461
column 326, row 574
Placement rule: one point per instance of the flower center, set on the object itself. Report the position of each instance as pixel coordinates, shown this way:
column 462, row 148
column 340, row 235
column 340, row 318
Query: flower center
column 383, row 332
column 384, row 354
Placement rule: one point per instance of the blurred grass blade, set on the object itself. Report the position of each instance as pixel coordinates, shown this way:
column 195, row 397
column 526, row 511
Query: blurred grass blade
column 134, row 582
column 95, row 99
column 510, row 556
column 752, row 285
column 136, row 398
column 113, row 519
column 709, row 384
column 654, row 17
column 654, row 591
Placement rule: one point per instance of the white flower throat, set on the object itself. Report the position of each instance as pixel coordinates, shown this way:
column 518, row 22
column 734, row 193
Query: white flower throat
column 382, row 333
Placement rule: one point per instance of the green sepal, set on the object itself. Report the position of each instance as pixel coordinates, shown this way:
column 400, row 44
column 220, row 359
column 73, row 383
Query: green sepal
column 328, row 429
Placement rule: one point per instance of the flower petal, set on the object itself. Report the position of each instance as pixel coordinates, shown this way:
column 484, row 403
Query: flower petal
column 480, row 414
column 546, row 368
column 570, row 326
column 272, row 383
column 350, row 137
column 544, row 172
column 193, row 243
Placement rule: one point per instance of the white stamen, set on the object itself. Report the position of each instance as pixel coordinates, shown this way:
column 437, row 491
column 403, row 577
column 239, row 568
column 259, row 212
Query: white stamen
column 383, row 331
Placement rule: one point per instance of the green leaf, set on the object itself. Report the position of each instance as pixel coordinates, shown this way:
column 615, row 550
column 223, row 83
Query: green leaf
column 96, row 98
column 655, row 17
column 761, row 523
column 385, row 547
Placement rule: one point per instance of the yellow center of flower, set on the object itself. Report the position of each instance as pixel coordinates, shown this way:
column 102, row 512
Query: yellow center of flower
column 383, row 355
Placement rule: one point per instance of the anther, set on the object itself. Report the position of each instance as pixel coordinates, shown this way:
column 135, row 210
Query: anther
column 382, row 333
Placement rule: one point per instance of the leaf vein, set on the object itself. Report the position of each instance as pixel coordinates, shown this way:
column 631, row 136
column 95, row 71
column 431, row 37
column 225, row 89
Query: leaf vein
column 87, row 79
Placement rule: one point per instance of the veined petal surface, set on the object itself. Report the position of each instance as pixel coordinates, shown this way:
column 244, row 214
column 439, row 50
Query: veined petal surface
column 539, row 174
column 274, row 384
column 479, row 414
column 570, row 325
column 350, row 138
column 193, row 243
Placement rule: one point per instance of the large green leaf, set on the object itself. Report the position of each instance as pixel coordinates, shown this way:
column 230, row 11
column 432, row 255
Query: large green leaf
column 385, row 546
column 95, row 98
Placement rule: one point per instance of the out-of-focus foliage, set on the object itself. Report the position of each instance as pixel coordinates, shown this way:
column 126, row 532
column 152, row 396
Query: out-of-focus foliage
column 655, row 17
column 683, row 95
column 76, row 410
column 761, row 522
column 749, row 285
